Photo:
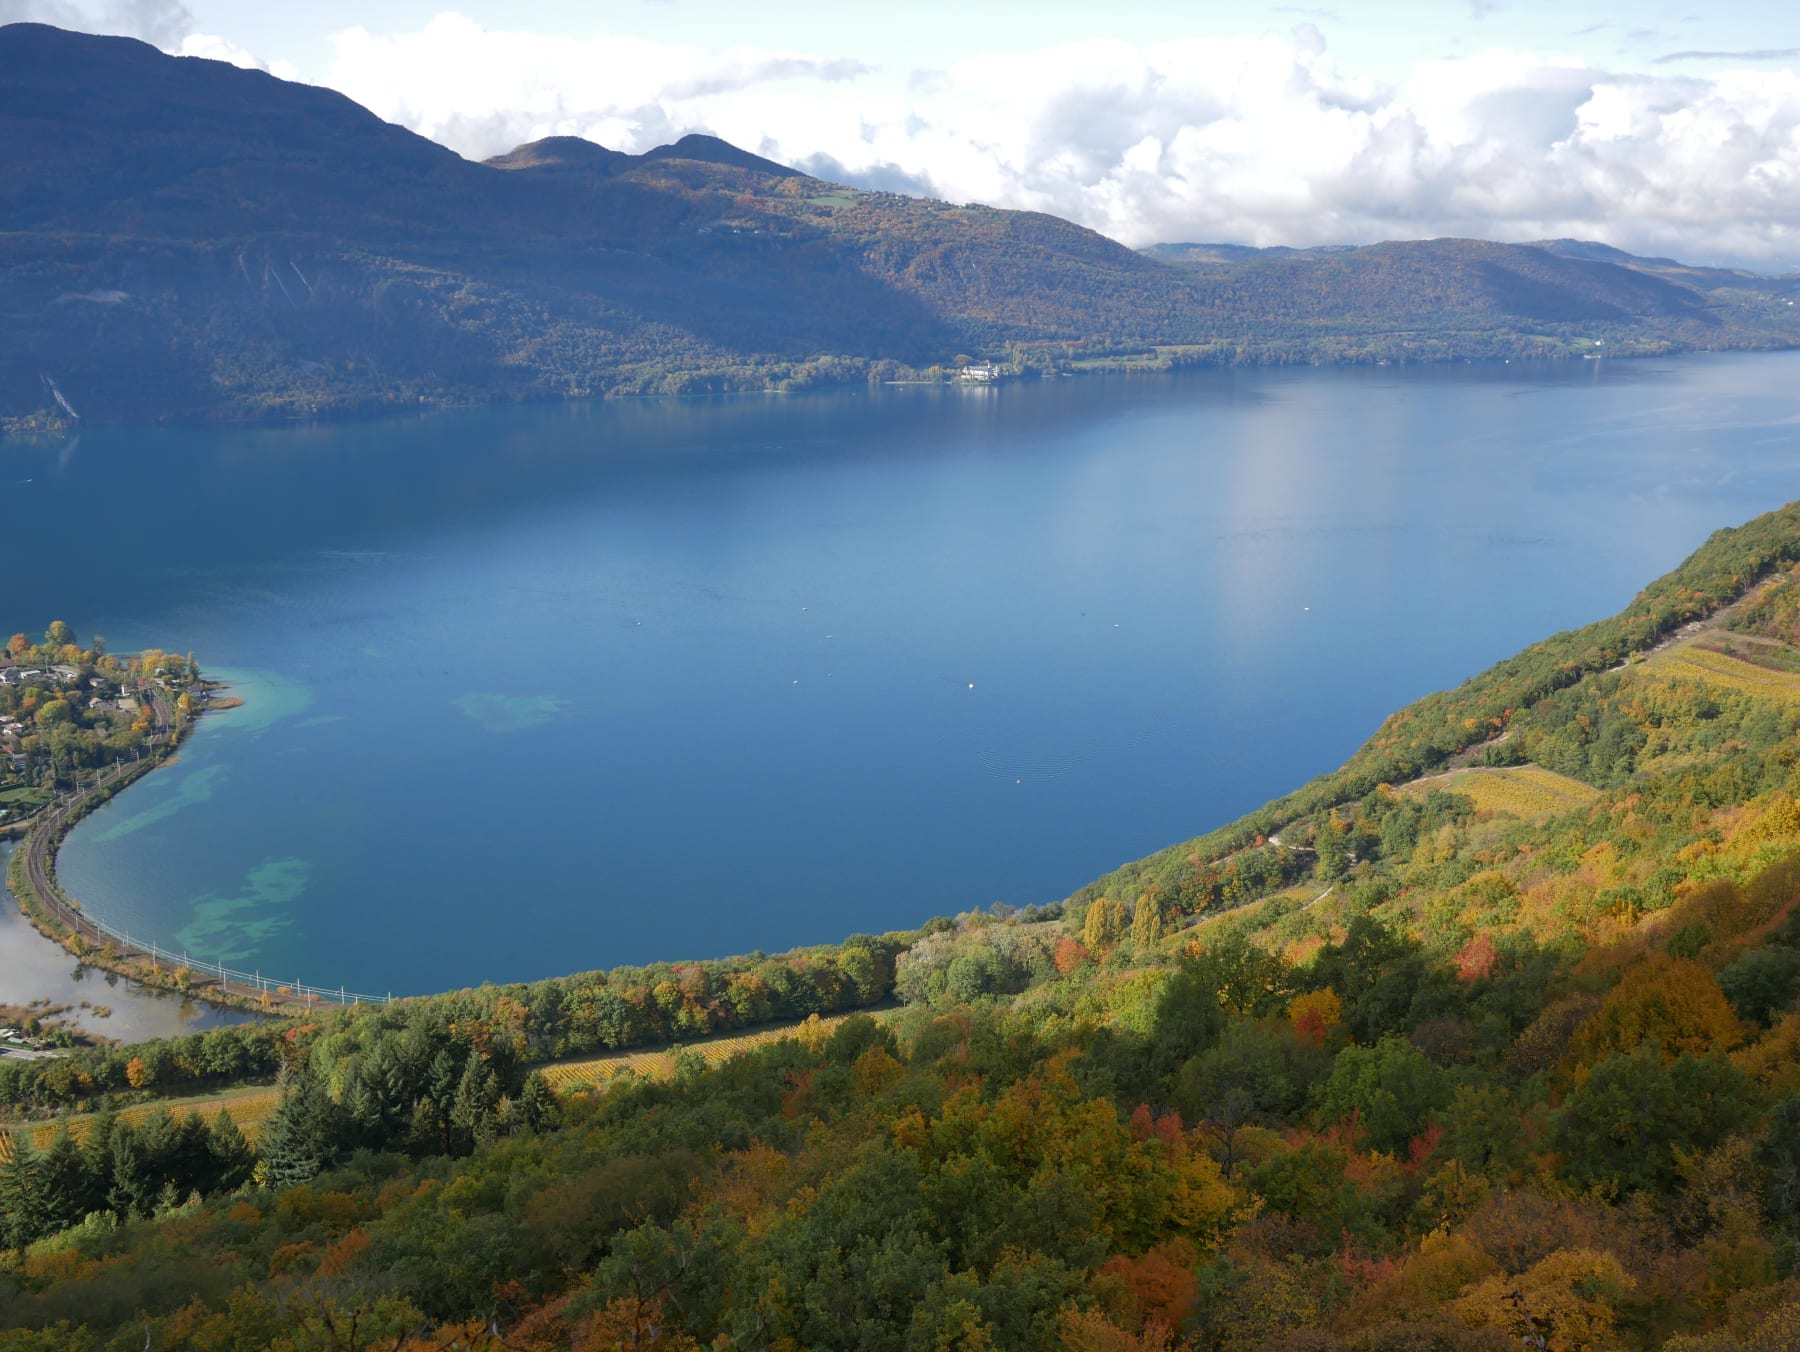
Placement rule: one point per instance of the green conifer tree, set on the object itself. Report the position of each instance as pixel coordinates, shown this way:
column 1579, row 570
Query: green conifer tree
column 299, row 1141
column 538, row 1105
column 472, row 1110
column 231, row 1158
column 21, row 1194
column 131, row 1188
column 68, row 1186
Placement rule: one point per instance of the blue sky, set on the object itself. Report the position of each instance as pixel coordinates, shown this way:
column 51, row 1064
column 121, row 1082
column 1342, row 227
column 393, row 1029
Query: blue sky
column 1668, row 128
column 1383, row 39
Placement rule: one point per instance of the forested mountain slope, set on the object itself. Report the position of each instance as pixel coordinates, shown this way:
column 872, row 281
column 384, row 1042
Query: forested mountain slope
column 1462, row 291
column 182, row 239
column 1489, row 1039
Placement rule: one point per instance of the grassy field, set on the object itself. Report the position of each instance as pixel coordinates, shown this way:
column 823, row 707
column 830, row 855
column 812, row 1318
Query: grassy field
column 1730, row 673
column 19, row 802
column 250, row 1107
column 1528, row 791
column 568, row 1076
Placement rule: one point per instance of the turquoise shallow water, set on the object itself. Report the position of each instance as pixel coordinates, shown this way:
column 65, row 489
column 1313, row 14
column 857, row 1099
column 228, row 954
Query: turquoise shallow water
column 535, row 689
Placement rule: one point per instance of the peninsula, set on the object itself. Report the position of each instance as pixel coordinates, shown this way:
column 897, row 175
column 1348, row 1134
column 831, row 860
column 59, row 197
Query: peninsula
column 77, row 725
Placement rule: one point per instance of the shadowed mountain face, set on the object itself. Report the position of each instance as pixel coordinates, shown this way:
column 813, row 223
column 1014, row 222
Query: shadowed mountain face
column 182, row 239
column 571, row 154
column 561, row 155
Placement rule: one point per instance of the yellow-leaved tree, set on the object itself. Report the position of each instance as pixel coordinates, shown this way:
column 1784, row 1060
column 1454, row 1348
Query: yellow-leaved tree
column 1675, row 1002
column 1567, row 1298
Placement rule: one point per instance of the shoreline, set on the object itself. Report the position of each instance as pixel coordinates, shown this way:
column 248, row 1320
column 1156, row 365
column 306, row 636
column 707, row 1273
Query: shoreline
column 1092, row 366
column 61, row 919
column 97, row 1007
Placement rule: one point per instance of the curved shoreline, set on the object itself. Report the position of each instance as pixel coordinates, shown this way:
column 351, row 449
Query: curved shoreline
column 31, row 878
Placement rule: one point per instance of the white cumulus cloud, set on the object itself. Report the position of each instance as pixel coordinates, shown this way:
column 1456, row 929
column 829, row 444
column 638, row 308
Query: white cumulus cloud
column 1259, row 139
column 482, row 92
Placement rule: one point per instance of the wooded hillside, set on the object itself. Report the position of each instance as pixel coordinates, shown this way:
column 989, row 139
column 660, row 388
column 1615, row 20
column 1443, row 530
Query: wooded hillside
column 184, row 240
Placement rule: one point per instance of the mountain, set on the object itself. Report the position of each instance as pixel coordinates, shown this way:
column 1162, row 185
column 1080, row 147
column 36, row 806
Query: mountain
column 561, row 155
column 184, row 240
column 1474, row 284
column 571, row 154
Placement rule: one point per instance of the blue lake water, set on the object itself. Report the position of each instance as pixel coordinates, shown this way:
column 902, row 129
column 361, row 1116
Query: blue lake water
column 546, row 688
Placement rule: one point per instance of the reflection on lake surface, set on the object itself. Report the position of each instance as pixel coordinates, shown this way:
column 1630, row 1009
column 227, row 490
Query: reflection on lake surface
column 33, row 969
column 535, row 689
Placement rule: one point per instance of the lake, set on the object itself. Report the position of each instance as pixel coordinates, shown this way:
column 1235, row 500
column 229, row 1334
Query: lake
column 537, row 689
column 32, row 969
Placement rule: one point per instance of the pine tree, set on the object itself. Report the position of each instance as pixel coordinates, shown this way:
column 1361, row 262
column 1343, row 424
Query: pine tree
column 230, row 1157
column 159, row 1145
column 300, row 1138
column 131, row 1187
column 442, row 1081
column 472, row 1110
column 426, row 1133
column 168, row 1197
column 191, row 1163
column 68, row 1186
column 21, row 1194
column 538, row 1105
column 98, row 1151
column 362, row 1114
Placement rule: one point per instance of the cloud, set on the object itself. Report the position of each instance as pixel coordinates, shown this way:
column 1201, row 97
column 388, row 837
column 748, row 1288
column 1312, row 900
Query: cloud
column 1266, row 140
column 880, row 177
column 1761, row 54
column 1261, row 139
column 484, row 91
column 162, row 23
column 168, row 24
column 42, row 11
column 1253, row 138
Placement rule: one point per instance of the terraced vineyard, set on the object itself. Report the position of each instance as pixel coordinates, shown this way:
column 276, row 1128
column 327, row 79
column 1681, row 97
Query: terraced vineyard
column 1731, row 673
column 1528, row 791
column 569, row 1076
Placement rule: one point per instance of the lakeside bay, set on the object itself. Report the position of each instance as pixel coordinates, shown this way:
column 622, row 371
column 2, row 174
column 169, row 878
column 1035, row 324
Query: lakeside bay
column 536, row 689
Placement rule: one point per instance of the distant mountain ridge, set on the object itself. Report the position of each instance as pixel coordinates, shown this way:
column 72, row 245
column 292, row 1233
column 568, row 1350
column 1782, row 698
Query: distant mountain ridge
column 572, row 154
column 182, row 239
